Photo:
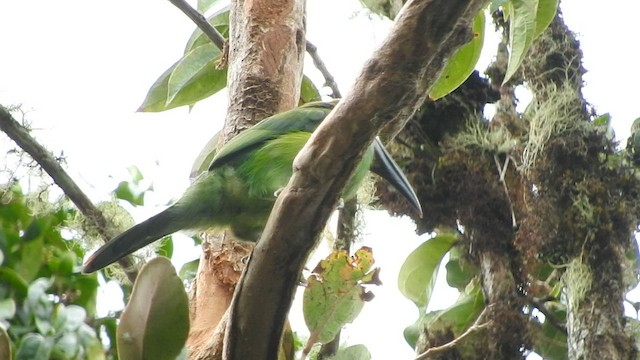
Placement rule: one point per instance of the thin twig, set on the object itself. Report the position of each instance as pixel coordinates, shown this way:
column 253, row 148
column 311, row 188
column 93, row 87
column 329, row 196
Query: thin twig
column 47, row 161
column 548, row 316
column 201, row 22
column 329, row 81
column 477, row 326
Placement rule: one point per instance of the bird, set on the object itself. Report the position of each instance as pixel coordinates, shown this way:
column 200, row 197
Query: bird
column 239, row 189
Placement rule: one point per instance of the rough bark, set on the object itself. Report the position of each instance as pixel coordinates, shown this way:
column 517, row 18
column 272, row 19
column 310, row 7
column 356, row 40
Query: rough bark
column 266, row 50
column 390, row 87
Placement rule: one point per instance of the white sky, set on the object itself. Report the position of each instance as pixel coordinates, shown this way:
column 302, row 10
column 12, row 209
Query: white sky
column 82, row 68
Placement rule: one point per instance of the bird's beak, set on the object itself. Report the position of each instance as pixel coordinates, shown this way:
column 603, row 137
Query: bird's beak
column 384, row 166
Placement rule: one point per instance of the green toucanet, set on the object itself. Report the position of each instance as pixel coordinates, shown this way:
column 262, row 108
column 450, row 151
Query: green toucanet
column 238, row 191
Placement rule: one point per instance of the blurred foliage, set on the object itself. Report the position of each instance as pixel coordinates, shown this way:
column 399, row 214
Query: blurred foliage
column 47, row 306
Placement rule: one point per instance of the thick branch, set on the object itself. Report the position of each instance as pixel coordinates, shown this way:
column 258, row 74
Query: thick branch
column 391, row 85
column 43, row 157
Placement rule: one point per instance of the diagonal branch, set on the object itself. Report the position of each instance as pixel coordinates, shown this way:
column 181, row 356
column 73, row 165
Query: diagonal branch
column 45, row 159
column 328, row 78
column 201, row 23
column 390, row 87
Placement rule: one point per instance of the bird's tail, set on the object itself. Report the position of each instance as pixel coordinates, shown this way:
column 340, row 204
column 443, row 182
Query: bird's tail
column 133, row 239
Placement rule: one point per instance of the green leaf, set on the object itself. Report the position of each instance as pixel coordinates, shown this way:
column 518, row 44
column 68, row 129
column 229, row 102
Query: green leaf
column 544, row 16
column 460, row 272
column 353, row 352
column 203, row 59
column 165, row 248
column 189, row 270
column 109, row 326
column 31, row 259
column 147, row 329
column 34, row 347
column 66, row 346
column 418, row 273
column 196, row 77
column 456, row 318
column 462, row 63
column 522, row 27
column 204, row 5
column 126, row 192
column 5, row 345
column 75, row 316
column 335, row 295
column 16, row 283
column 308, row 91
column 412, row 332
column 460, row 315
column 7, row 309
column 219, row 20
column 131, row 191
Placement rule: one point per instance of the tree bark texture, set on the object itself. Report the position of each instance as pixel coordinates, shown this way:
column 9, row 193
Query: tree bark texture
column 266, row 50
column 392, row 84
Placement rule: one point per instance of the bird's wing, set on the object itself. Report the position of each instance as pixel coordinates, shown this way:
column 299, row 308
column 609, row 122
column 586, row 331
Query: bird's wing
column 305, row 118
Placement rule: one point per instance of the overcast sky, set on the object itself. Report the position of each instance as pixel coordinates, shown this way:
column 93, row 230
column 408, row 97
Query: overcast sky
column 82, row 68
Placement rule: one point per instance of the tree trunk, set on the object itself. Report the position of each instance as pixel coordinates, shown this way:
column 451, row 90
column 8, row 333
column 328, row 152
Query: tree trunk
column 266, row 49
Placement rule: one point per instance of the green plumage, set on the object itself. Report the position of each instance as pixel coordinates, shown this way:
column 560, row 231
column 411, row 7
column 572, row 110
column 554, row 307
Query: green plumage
column 238, row 191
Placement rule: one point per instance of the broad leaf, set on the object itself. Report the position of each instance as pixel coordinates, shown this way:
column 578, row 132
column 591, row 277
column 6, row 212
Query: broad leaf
column 462, row 63
column 419, row 272
column 460, row 315
column 148, row 330
column 196, row 77
column 197, row 64
column 335, row 294
column 546, row 12
column 522, row 28
column 460, row 271
column 456, row 318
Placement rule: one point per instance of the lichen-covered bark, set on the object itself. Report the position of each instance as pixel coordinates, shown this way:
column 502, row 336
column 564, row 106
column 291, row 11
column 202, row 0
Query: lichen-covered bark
column 530, row 191
column 585, row 211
